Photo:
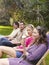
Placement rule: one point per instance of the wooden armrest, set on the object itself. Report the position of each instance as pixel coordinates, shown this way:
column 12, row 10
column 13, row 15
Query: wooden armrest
column 43, row 57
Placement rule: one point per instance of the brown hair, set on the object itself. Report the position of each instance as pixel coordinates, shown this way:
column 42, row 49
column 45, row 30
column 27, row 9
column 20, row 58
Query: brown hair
column 42, row 33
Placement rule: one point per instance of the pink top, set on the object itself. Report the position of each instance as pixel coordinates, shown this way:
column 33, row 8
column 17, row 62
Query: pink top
column 28, row 40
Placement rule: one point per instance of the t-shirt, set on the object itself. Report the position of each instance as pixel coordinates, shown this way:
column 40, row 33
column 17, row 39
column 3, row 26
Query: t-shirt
column 20, row 35
column 28, row 41
column 14, row 33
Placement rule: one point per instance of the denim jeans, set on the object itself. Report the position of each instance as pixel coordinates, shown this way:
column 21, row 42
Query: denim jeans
column 6, row 42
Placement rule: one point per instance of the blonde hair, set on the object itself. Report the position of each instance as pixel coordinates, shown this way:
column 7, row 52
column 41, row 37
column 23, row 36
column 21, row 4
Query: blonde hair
column 47, row 32
column 31, row 26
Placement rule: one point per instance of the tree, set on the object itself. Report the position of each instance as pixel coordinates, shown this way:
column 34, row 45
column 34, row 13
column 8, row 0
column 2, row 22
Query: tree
column 30, row 11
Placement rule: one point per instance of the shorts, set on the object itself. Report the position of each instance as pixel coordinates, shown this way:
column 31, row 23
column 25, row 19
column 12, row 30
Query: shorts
column 19, row 54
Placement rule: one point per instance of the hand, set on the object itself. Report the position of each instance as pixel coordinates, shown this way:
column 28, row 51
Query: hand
column 27, row 53
column 24, row 55
column 10, row 38
column 14, row 48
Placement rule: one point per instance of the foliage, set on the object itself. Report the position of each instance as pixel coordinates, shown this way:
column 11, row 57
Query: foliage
column 30, row 11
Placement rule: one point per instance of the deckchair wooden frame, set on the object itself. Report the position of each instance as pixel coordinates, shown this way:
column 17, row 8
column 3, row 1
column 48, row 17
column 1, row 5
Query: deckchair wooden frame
column 43, row 58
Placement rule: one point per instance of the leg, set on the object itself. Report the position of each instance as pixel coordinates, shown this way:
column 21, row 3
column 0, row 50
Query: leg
column 6, row 42
column 8, row 50
column 4, row 61
column 0, row 53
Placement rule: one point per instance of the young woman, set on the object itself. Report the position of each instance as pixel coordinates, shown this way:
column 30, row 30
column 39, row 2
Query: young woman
column 18, row 50
column 34, row 52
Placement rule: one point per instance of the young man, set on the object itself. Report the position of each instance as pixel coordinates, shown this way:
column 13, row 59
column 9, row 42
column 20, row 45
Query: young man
column 14, row 32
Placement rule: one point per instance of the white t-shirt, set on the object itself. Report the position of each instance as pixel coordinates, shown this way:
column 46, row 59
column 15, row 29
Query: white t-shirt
column 20, row 35
column 14, row 33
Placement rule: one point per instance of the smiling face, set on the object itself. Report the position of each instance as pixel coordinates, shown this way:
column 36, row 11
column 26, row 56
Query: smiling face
column 21, row 26
column 29, row 30
column 35, row 33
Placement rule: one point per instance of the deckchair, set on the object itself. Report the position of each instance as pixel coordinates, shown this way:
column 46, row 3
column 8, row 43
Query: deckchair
column 42, row 60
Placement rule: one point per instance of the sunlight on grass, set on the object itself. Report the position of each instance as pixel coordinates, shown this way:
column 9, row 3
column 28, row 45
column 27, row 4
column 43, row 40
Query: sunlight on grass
column 5, row 30
column 5, row 27
column 47, row 60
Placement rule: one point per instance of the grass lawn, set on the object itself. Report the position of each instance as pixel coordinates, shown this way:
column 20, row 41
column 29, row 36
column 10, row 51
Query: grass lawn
column 47, row 60
column 6, row 30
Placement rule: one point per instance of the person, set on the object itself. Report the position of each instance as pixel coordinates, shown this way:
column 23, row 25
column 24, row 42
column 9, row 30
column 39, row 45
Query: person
column 18, row 50
column 32, row 54
column 13, row 33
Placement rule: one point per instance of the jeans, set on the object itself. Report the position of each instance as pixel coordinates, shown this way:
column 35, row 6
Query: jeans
column 6, row 42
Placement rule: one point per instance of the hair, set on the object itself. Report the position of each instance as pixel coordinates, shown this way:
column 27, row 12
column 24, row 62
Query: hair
column 47, row 32
column 22, row 22
column 31, row 26
column 42, row 33
column 16, row 23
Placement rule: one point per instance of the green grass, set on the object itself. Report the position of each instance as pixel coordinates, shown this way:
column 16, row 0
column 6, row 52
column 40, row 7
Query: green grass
column 5, row 30
column 47, row 60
